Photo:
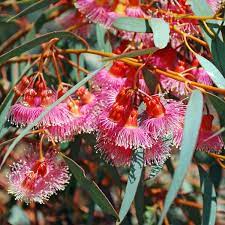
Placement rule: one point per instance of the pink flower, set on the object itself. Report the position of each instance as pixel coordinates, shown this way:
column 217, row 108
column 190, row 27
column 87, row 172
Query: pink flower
column 71, row 18
column 162, row 116
column 35, row 180
column 177, row 88
column 121, row 156
column 135, row 11
column 113, row 78
column 83, row 111
column 207, row 141
column 123, row 130
column 202, row 76
column 214, row 4
column 158, row 153
column 164, row 58
column 31, row 106
column 97, row 11
column 118, row 156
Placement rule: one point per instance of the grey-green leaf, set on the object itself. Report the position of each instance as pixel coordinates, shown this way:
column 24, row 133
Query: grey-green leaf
column 219, row 105
column 132, row 183
column 209, row 198
column 161, row 32
column 192, row 125
column 32, row 8
column 200, row 7
column 132, row 24
column 91, row 187
column 213, row 72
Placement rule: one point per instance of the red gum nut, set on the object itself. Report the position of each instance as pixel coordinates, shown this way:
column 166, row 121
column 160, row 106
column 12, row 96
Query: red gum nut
column 40, row 86
column 61, row 92
column 47, row 97
column 132, row 119
column 29, row 96
column 87, row 97
column 40, row 168
column 29, row 181
column 21, row 86
column 207, row 122
column 117, row 112
column 134, row 2
column 155, row 108
column 74, row 107
column 118, row 69
column 80, row 91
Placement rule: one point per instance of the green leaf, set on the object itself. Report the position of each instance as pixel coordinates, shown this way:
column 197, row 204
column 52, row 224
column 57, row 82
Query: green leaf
column 155, row 170
column 32, row 8
column 219, row 105
column 213, row 72
column 91, row 187
column 36, row 42
column 43, row 114
column 132, row 183
column 133, row 24
column 200, row 7
column 209, row 198
column 192, row 123
column 218, row 52
column 102, row 43
column 161, row 32
column 148, row 51
column 150, row 79
column 139, row 202
column 4, row 108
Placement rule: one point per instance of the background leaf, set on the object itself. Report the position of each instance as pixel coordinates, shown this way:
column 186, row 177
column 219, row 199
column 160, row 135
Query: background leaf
column 36, row 42
column 132, row 183
column 209, row 198
column 32, row 8
column 91, row 187
column 192, row 125
column 213, row 72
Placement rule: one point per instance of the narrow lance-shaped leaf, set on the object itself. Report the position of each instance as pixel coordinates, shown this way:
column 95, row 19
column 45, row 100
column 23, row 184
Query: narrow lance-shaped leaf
column 36, row 42
column 209, row 198
column 132, row 183
column 91, row 187
column 192, row 125
column 32, row 8
column 36, row 121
